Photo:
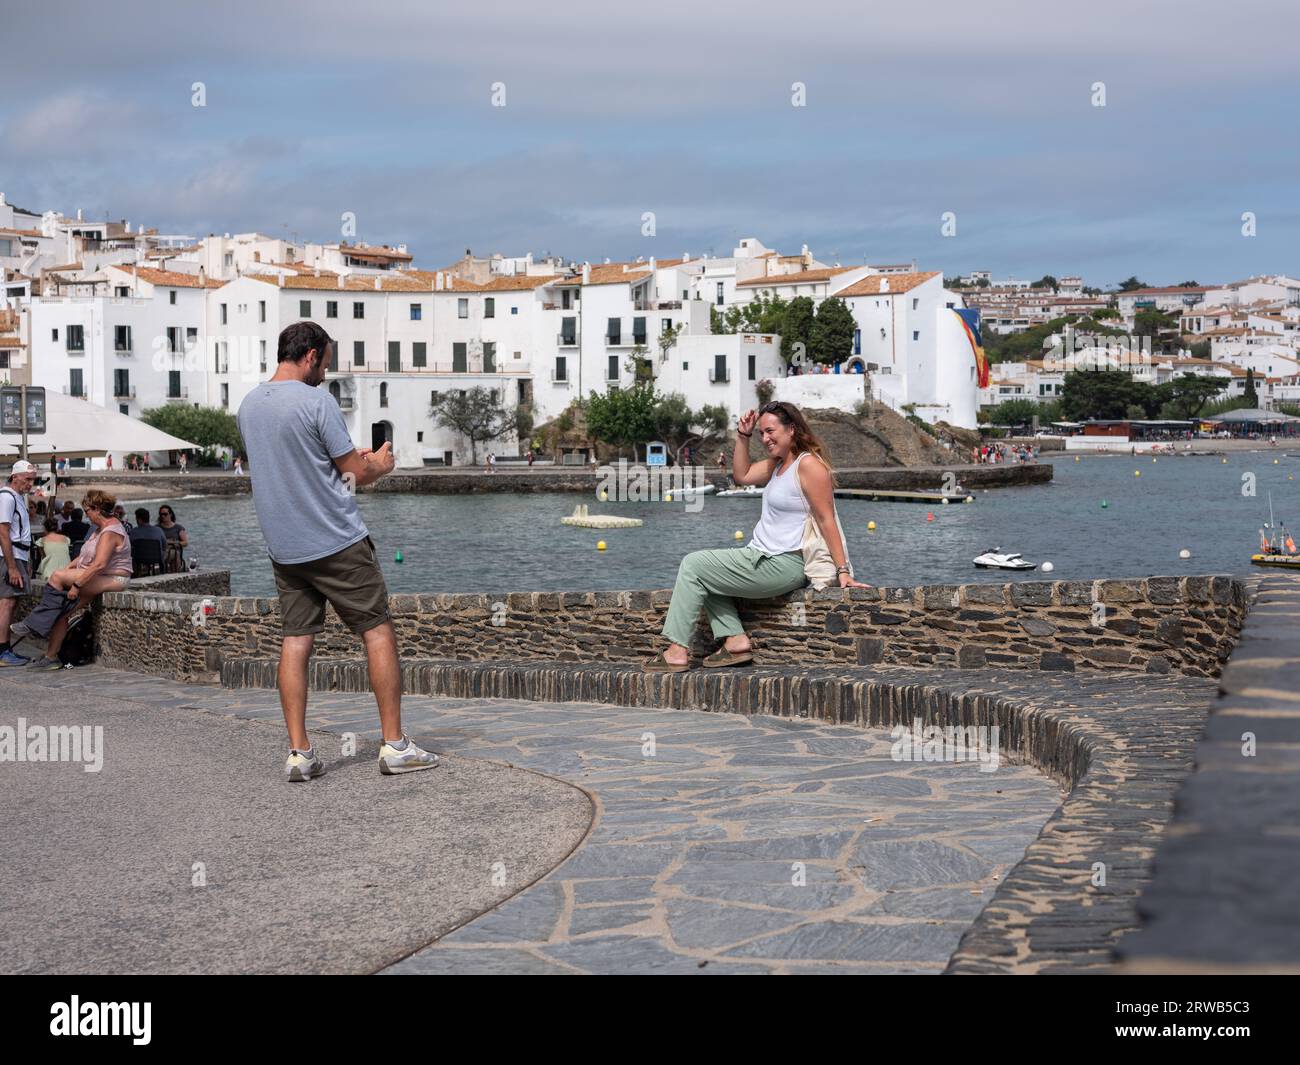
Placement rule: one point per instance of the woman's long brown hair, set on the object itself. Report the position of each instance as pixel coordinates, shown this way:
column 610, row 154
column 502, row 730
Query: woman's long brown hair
column 804, row 438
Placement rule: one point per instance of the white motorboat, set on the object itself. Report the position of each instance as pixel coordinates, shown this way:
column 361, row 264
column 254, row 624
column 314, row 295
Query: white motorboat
column 747, row 490
column 999, row 559
column 688, row 493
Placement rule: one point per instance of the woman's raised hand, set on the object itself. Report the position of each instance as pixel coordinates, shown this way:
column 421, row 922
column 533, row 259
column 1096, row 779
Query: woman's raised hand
column 746, row 423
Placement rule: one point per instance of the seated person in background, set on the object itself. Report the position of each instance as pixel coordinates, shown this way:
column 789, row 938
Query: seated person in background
column 77, row 529
column 148, row 544
column 54, row 550
column 119, row 512
column 104, row 565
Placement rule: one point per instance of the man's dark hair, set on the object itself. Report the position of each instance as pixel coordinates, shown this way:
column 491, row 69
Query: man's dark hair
column 78, row 513
column 142, row 515
column 298, row 339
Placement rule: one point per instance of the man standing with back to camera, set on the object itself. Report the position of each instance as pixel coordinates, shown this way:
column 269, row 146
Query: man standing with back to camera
column 299, row 455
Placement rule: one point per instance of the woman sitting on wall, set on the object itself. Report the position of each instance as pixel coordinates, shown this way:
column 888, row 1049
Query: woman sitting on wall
column 798, row 538
column 103, row 565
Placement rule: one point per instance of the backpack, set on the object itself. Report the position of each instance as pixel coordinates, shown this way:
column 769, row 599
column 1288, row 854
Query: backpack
column 78, row 647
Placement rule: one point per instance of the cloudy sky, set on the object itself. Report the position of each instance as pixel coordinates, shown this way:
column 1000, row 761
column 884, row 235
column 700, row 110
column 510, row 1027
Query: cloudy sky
column 385, row 109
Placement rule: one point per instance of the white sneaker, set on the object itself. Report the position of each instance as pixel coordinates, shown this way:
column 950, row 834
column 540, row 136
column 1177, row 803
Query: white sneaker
column 410, row 760
column 301, row 766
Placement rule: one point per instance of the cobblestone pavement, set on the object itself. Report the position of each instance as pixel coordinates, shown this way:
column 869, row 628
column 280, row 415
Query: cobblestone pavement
column 722, row 843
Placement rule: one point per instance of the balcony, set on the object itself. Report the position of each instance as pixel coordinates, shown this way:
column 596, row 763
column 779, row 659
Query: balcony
column 719, row 377
column 127, row 351
column 638, row 339
column 558, row 378
column 178, row 396
column 345, row 402
column 80, row 393
column 567, row 340
column 658, row 305
column 124, row 391
column 614, row 340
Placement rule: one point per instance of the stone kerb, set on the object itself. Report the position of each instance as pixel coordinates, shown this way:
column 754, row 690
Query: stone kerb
column 1184, row 625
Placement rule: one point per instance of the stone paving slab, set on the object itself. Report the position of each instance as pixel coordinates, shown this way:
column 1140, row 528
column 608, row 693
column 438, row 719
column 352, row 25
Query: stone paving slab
column 345, row 874
column 702, row 859
column 1224, row 896
column 1122, row 745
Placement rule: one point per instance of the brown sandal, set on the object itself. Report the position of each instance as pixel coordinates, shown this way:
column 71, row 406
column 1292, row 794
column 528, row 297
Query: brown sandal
column 722, row 657
column 659, row 664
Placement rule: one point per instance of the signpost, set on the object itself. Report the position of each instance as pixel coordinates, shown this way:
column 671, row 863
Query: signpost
column 22, row 411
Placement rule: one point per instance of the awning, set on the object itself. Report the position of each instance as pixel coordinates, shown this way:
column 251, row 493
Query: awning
column 1248, row 415
column 77, row 428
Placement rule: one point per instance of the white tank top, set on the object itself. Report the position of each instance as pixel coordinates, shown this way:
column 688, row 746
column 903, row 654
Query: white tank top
column 780, row 526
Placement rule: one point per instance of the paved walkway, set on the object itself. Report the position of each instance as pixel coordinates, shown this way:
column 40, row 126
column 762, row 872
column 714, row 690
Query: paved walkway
column 722, row 843
column 187, row 852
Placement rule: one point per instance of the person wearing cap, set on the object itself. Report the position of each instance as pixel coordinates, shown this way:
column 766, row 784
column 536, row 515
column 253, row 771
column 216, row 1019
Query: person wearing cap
column 16, row 547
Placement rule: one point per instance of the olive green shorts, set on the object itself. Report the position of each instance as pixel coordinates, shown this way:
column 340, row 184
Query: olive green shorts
column 349, row 580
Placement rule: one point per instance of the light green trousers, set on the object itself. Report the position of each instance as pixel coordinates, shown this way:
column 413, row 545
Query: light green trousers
column 710, row 579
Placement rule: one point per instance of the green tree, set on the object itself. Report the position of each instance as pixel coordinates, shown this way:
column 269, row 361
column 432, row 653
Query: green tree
column 1131, row 284
column 1106, row 394
column 209, row 427
column 1013, row 412
column 831, row 335
column 677, row 425
column 797, row 330
column 623, row 417
column 1188, row 395
column 477, row 414
column 1047, row 281
column 1251, row 394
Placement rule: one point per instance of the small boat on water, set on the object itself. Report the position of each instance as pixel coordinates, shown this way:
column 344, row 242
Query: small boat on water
column 1276, row 545
column 688, row 493
column 747, row 490
column 999, row 559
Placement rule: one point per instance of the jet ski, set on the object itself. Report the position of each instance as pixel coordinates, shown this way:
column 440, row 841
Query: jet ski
column 747, row 490
column 999, row 559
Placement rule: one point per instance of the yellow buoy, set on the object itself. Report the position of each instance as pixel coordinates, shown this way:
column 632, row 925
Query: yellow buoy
column 668, row 497
column 600, row 545
column 871, row 526
column 604, row 496
column 1137, row 473
column 1225, row 462
column 1153, row 460
column 739, row 535
column 1076, row 458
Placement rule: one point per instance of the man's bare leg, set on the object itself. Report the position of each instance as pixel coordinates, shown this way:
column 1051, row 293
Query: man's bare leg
column 385, row 677
column 295, row 652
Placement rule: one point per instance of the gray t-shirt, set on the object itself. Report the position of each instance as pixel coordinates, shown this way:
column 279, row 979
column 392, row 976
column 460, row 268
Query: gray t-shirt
column 293, row 432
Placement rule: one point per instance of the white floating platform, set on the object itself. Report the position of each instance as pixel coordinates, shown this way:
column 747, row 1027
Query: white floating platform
column 583, row 520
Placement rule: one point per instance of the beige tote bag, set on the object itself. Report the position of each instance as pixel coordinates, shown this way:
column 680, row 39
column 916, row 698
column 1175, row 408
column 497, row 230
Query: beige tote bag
column 818, row 565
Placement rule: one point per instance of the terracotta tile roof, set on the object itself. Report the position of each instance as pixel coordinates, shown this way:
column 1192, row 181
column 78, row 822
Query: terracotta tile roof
column 1168, row 290
column 799, row 277
column 607, row 274
column 166, row 278
column 515, row 283
column 887, row 284
column 383, row 252
column 20, row 232
column 65, row 269
column 329, row 282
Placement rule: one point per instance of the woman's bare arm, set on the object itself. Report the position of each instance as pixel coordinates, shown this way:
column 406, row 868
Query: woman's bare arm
column 815, row 480
column 742, row 470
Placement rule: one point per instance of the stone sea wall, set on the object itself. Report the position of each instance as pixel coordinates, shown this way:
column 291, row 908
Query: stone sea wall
column 1185, row 625
column 581, row 479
